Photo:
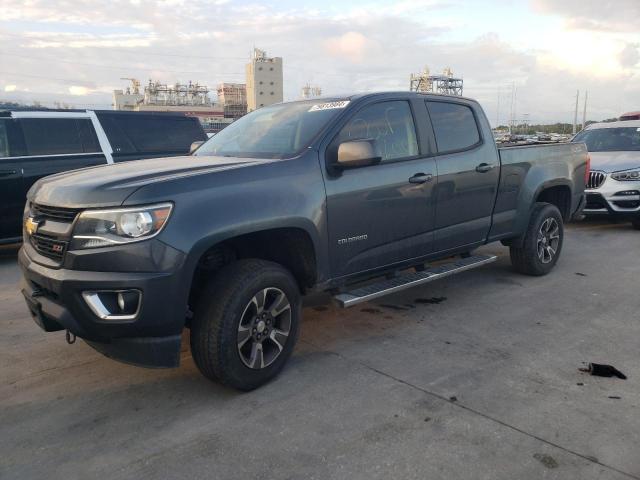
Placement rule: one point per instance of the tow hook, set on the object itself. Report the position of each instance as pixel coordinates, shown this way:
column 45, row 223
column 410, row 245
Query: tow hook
column 71, row 337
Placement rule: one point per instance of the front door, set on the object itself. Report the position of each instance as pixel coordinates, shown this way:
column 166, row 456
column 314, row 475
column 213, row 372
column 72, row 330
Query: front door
column 381, row 214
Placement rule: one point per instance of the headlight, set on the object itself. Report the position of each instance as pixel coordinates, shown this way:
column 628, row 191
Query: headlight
column 627, row 175
column 102, row 228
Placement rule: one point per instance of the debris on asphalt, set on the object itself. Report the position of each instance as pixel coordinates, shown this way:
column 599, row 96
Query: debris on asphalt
column 370, row 310
column 430, row 301
column 580, row 274
column 453, row 398
column 546, row 460
column 615, row 397
column 601, row 370
column 580, row 384
column 393, row 307
column 427, row 419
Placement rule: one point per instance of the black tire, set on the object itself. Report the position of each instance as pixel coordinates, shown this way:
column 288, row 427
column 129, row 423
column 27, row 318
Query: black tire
column 635, row 223
column 217, row 321
column 528, row 258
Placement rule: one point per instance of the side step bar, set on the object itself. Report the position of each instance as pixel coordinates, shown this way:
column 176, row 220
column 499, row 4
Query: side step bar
column 385, row 287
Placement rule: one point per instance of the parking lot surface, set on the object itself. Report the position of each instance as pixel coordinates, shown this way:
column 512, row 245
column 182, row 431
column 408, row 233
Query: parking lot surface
column 472, row 377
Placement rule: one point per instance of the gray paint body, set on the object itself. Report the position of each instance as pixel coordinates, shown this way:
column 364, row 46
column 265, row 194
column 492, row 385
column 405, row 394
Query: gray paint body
column 402, row 223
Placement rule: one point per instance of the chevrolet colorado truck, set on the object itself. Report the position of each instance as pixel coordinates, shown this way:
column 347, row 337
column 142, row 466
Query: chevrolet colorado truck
column 356, row 195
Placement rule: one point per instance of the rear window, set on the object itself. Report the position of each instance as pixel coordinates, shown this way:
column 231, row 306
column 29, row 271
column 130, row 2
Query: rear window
column 151, row 134
column 624, row 139
column 454, row 126
column 59, row 136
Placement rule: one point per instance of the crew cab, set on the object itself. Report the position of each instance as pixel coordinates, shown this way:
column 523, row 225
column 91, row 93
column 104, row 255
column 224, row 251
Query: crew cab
column 37, row 143
column 355, row 195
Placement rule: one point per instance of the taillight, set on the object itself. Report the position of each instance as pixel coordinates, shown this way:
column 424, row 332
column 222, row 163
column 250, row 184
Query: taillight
column 587, row 170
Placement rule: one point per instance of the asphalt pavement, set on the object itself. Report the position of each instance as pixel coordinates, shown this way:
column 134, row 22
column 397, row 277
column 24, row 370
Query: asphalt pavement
column 472, row 377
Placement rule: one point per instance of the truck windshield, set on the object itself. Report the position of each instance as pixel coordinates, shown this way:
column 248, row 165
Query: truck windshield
column 277, row 131
column 624, row 139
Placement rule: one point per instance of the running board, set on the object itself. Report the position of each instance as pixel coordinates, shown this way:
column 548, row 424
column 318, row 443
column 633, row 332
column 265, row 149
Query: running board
column 401, row 282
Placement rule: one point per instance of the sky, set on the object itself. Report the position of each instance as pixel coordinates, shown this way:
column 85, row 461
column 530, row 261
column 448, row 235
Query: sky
column 538, row 51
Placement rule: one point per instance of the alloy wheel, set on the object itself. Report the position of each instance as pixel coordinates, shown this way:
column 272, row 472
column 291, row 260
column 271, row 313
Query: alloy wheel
column 548, row 240
column 264, row 328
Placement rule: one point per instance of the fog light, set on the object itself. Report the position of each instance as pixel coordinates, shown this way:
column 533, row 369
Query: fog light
column 114, row 304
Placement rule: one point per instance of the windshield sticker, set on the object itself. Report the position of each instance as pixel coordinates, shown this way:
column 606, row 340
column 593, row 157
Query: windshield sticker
column 329, row 105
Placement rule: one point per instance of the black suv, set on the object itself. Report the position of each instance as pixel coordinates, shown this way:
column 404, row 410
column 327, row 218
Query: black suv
column 34, row 144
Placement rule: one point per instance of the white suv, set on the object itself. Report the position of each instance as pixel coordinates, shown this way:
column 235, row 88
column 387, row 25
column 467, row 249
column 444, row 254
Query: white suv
column 613, row 187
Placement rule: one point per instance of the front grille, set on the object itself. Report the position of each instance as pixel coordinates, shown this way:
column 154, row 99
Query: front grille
column 48, row 246
column 596, row 179
column 54, row 213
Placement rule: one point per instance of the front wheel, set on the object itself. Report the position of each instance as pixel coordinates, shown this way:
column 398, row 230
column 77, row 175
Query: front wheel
column 636, row 223
column 246, row 323
column 542, row 243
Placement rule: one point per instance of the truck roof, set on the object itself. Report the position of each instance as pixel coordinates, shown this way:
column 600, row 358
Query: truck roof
column 357, row 96
column 619, row 124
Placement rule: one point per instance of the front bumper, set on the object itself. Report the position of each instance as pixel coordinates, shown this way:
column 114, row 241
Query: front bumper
column 614, row 198
column 152, row 338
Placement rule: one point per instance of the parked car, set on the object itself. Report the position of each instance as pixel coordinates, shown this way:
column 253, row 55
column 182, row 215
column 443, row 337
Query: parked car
column 34, row 144
column 613, row 188
column 316, row 195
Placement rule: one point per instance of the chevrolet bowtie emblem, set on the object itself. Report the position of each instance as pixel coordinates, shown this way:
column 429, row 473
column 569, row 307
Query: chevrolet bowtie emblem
column 30, row 225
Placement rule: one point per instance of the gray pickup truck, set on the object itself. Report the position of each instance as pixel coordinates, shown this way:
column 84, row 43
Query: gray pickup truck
column 354, row 195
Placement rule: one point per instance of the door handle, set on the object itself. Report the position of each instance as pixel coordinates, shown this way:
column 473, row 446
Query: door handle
column 421, row 178
column 7, row 173
column 484, row 167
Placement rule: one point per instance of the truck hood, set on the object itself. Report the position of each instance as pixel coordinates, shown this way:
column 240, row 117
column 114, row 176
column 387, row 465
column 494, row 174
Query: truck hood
column 614, row 161
column 110, row 185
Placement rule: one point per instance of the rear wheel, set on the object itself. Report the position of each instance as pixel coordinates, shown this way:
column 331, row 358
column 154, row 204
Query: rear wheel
column 542, row 242
column 246, row 323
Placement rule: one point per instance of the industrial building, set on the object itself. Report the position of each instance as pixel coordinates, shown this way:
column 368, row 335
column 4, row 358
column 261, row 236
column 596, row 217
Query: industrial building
column 233, row 97
column 264, row 80
column 192, row 99
column 264, row 87
column 445, row 83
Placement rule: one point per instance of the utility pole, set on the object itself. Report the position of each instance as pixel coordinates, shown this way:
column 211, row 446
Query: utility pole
column 584, row 111
column 512, row 115
column 498, row 109
column 575, row 113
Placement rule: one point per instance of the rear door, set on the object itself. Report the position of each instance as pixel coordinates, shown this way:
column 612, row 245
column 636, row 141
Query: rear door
column 382, row 214
column 11, row 187
column 468, row 173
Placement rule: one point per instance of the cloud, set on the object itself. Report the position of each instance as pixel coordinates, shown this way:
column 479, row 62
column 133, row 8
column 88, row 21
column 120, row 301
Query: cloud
column 79, row 91
column 10, row 88
column 630, row 55
column 80, row 54
column 594, row 14
column 350, row 45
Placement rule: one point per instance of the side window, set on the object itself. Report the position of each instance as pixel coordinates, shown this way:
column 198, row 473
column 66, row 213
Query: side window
column 454, row 126
column 4, row 139
column 390, row 124
column 51, row 136
column 88, row 136
column 150, row 133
